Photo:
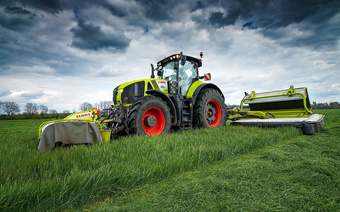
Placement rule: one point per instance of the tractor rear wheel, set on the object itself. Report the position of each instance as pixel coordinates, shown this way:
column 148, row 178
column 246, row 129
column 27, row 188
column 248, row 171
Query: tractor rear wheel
column 149, row 115
column 209, row 109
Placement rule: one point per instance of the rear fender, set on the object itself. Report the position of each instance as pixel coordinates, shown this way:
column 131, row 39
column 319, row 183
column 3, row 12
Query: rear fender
column 168, row 101
column 196, row 88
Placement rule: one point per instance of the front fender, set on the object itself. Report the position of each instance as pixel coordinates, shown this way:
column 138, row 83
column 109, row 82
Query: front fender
column 168, row 101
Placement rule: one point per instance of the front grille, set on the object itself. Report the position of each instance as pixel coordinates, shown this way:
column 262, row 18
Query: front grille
column 133, row 92
column 128, row 94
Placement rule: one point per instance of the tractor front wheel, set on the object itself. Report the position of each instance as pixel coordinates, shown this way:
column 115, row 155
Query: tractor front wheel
column 149, row 115
column 209, row 109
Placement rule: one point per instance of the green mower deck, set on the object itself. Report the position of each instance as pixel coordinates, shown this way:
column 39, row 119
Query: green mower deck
column 289, row 107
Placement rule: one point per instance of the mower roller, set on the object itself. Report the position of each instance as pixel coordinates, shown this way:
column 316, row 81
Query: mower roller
column 177, row 98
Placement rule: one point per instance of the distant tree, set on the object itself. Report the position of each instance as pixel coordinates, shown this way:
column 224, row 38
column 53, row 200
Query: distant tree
column 85, row 106
column 314, row 105
column 43, row 109
column 331, row 105
column 66, row 112
column 11, row 108
column 31, row 109
column 322, row 105
column 105, row 104
column 1, row 107
column 334, row 105
column 53, row 112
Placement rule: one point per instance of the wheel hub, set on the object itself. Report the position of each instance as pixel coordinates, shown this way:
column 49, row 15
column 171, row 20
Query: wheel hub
column 151, row 121
column 210, row 113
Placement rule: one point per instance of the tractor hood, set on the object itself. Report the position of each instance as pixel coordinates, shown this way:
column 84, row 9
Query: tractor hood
column 127, row 93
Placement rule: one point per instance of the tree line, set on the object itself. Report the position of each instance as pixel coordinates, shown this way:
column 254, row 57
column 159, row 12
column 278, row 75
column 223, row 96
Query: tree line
column 11, row 110
column 31, row 110
column 331, row 105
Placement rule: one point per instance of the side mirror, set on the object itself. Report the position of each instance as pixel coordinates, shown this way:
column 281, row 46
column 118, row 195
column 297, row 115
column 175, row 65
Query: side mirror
column 152, row 71
column 183, row 60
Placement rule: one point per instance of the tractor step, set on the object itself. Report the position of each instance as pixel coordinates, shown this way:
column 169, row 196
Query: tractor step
column 186, row 115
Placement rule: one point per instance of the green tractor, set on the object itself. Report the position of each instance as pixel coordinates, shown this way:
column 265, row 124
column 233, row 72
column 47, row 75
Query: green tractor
column 174, row 98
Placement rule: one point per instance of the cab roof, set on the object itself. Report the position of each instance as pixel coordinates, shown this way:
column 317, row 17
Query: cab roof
column 176, row 57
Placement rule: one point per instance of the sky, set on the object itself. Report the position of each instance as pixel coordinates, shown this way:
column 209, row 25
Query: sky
column 61, row 53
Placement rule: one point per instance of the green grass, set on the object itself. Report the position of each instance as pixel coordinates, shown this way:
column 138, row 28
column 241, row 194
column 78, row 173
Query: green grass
column 299, row 174
column 230, row 168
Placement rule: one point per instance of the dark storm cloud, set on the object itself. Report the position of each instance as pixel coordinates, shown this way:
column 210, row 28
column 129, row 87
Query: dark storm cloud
column 158, row 10
column 290, row 11
column 319, row 27
column 271, row 14
column 249, row 25
column 50, row 6
column 18, row 10
column 19, row 51
column 116, row 11
column 56, row 6
column 313, row 17
column 324, row 36
column 217, row 18
column 88, row 36
column 15, row 18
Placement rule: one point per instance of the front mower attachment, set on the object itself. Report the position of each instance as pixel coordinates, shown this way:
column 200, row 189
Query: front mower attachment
column 289, row 107
column 77, row 128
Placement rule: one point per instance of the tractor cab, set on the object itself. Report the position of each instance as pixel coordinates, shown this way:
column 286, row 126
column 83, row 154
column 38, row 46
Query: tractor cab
column 180, row 71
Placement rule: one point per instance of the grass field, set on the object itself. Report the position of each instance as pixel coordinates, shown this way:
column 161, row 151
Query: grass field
column 231, row 168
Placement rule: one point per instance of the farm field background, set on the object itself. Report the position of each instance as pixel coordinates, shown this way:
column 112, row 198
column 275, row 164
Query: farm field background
column 229, row 168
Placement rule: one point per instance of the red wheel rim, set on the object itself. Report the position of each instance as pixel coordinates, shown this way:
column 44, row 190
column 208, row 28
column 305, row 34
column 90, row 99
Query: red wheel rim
column 153, row 121
column 213, row 113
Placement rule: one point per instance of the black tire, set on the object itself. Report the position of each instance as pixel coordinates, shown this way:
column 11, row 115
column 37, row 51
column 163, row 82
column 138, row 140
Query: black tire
column 209, row 109
column 149, row 115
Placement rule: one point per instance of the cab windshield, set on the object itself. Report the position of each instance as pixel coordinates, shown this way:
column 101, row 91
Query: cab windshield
column 187, row 73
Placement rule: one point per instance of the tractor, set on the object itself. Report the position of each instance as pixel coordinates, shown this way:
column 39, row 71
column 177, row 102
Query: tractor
column 173, row 97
